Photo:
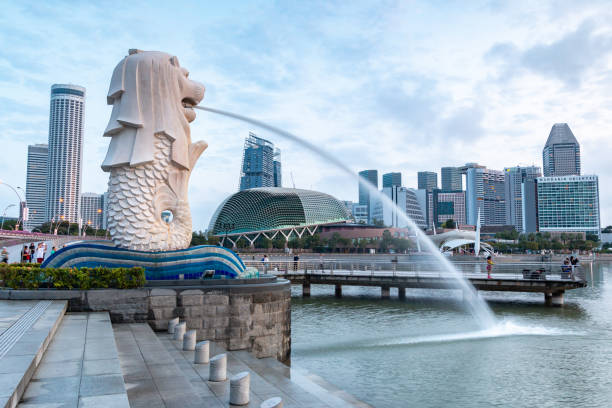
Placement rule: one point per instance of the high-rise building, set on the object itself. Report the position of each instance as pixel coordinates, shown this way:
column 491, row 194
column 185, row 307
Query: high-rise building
column 406, row 201
column 448, row 205
column 392, row 180
column 370, row 176
column 421, row 197
column 92, row 210
column 485, row 191
column 360, row 213
column 427, row 180
column 561, row 154
column 568, row 204
column 529, row 206
column 261, row 166
column 65, row 152
column 515, row 179
column 36, row 185
column 451, row 179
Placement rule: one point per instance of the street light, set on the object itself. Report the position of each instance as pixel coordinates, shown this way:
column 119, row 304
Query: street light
column 4, row 214
column 16, row 193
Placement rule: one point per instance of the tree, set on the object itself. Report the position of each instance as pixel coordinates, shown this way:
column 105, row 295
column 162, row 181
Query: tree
column 607, row 230
column 386, row 241
column 450, row 224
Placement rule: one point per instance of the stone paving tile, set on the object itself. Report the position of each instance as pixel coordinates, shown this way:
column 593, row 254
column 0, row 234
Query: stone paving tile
column 73, row 373
column 152, row 378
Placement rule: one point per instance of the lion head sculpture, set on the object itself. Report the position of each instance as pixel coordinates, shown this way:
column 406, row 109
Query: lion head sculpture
column 151, row 94
column 150, row 156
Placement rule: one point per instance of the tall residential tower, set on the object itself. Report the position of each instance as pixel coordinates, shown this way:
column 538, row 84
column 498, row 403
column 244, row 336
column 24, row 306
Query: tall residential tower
column 36, row 185
column 65, row 152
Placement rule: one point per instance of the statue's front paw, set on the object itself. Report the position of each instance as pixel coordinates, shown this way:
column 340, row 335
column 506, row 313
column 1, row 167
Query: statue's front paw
column 195, row 151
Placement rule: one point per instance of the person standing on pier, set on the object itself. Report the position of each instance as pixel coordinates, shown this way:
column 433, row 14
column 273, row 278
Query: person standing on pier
column 489, row 266
column 4, row 255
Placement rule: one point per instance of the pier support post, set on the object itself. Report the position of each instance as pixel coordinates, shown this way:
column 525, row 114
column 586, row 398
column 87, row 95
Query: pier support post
column 548, row 299
column 338, row 291
column 401, row 293
column 557, row 298
column 305, row 289
column 240, row 388
column 385, row 292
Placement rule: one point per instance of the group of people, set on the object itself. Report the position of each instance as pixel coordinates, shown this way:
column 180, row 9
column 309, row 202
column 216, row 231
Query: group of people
column 569, row 266
column 32, row 253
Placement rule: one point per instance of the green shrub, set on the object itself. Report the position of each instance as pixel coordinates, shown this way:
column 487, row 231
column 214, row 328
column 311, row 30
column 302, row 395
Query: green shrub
column 18, row 276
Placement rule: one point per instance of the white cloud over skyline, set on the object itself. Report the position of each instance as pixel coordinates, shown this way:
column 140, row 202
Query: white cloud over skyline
column 395, row 86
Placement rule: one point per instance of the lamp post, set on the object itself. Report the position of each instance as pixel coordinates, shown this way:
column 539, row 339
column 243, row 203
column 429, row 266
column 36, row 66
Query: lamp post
column 4, row 215
column 16, row 193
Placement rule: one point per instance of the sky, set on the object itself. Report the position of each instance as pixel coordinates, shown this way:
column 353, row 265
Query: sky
column 395, row 86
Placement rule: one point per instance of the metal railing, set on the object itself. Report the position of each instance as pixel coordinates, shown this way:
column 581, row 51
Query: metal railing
column 381, row 268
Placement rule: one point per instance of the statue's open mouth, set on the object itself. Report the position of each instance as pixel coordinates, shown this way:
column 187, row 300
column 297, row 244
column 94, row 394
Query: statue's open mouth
column 188, row 105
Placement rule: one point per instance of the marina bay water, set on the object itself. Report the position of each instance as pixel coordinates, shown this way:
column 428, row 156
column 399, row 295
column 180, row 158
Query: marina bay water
column 426, row 351
column 476, row 306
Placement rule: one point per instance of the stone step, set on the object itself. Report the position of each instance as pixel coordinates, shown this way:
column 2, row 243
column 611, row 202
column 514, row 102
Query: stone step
column 151, row 376
column 26, row 330
column 80, row 367
column 269, row 378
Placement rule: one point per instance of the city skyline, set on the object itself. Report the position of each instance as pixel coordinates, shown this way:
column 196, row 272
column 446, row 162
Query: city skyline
column 495, row 106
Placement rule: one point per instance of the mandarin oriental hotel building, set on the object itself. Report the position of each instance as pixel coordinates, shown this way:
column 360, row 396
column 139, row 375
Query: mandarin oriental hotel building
column 568, row 204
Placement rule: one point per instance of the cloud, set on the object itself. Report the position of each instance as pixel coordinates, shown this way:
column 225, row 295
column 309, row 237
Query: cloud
column 567, row 59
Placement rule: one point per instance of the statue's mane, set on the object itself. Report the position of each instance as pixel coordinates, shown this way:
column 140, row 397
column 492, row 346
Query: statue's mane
column 146, row 97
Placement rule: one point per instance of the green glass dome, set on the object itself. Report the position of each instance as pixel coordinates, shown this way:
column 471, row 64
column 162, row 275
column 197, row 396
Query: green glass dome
column 270, row 208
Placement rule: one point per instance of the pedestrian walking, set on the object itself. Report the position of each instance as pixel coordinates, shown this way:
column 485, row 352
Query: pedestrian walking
column 489, row 266
column 25, row 254
column 32, row 250
column 4, row 255
column 40, row 253
column 296, row 259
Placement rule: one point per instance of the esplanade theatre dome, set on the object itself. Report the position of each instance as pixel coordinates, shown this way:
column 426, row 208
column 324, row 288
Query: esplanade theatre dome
column 274, row 208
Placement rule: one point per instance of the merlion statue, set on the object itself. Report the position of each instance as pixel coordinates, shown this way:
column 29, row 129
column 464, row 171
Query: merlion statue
column 150, row 156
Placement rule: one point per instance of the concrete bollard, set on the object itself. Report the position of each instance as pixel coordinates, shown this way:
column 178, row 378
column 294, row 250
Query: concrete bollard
column 179, row 331
column 274, row 402
column 172, row 324
column 189, row 340
column 240, row 388
column 217, row 371
column 202, row 352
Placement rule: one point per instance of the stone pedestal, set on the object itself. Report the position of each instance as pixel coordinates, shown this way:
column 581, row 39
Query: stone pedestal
column 189, row 340
column 202, row 352
column 172, row 324
column 218, row 368
column 179, row 331
column 306, row 290
column 240, row 385
column 275, row 402
column 385, row 292
column 338, row 291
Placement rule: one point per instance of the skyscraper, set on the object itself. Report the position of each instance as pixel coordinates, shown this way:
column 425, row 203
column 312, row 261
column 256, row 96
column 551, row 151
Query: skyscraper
column 261, row 166
column 451, row 179
column 448, row 205
column 427, row 180
column 65, row 152
column 568, row 204
column 515, row 179
column 561, row 154
column 36, row 185
column 92, row 210
column 370, row 176
column 406, row 200
column 485, row 191
column 392, row 180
